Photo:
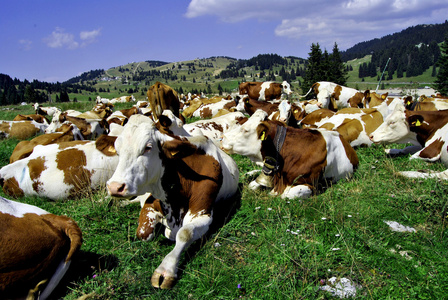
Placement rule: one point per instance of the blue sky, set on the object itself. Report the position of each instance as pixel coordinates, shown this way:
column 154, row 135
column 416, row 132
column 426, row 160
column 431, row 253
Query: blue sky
column 53, row 41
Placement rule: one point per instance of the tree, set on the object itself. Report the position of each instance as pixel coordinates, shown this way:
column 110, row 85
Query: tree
column 338, row 71
column 313, row 71
column 441, row 82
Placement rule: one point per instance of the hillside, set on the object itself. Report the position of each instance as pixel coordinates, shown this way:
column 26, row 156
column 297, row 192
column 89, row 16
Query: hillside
column 413, row 53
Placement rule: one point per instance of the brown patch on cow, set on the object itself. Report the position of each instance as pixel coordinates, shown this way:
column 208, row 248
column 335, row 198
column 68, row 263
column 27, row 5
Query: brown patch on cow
column 36, row 117
column 36, row 167
column 350, row 152
column 161, row 97
column 252, row 90
column 356, row 100
column 72, row 163
column 372, row 120
column 432, row 150
column 316, row 116
column 23, row 130
column 206, row 113
column 350, row 129
column 11, row 187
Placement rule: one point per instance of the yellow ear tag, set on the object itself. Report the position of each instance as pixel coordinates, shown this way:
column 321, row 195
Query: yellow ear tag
column 263, row 136
column 408, row 103
column 418, row 123
column 296, row 111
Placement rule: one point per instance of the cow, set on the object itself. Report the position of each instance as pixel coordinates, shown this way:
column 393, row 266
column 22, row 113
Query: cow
column 264, row 91
column 45, row 111
column 214, row 128
column 300, row 159
column 99, row 111
column 334, row 96
column 21, row 130
column 60, row 171
column 122, row 99
column 354, row 124
column 89, row 128
column 32, row 117
column 425, row 130
column 121, row 117
column 36, row 246
column 162, row 97
column 186, row 177
column 25, row 148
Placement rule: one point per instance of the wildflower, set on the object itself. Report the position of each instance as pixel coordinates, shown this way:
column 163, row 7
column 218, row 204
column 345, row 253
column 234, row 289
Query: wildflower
column 258, row 207
column 217, row 245
column 337, row 235
column 239, row 285
column 336, row 249
column 269, row 208
column 349, row 216
column 323, row 218
column 94, row 276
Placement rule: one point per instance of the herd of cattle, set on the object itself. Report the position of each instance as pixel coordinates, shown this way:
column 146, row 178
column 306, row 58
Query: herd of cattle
column 178, row 171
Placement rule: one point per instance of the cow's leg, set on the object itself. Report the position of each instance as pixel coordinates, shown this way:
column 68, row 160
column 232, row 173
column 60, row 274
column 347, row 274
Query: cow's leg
column 407, row 150
column 193, row 228
column 150, row 214
column 298, row 191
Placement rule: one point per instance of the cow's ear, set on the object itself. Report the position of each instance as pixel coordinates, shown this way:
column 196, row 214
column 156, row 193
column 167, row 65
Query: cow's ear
column 165, row 121
column 384, row 96
column 262, row 131
column 177, row 149
column 105, row 144
column 416, row 121
column 367, row 93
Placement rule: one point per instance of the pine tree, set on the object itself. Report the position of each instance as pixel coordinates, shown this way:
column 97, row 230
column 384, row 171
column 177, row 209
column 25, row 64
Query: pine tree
column 313, row 71
column 442, row 77
column 338, row 71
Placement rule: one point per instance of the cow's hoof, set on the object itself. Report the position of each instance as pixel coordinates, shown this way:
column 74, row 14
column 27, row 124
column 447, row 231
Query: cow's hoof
column 162, row 282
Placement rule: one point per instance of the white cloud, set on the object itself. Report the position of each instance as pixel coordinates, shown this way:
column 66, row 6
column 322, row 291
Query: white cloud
column 25, row 44
column 326, row 22
column 61, row 39
column 90, row 36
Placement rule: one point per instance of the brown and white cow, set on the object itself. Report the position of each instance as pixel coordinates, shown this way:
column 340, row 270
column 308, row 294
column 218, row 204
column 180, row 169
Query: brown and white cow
column 186, row 177
column 36, row 246
column 45, row 111
column 59, row 171
column 32, row 117
column 354, row 124
column 264, row 91
column 334, row 96
column 162, row 97
column 427, row 131
column 21, row 130
column 25, row 148
column 89, row 128
column 214, row 128
column 303, row 158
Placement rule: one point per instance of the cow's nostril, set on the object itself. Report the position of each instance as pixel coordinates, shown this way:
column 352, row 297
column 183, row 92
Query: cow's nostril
column 116, row 188
column 121, row 188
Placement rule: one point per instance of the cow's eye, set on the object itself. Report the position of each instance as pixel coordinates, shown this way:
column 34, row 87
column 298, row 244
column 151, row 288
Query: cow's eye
column 147, row 148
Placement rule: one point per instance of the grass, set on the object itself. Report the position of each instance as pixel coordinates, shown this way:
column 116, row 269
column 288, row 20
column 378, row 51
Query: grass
column 271, row 248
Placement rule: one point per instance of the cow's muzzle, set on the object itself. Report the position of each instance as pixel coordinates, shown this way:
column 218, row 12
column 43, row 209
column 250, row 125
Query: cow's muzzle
column 117, row 189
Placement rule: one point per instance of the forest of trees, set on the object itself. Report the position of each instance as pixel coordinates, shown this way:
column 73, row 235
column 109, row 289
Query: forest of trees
column 411, row 51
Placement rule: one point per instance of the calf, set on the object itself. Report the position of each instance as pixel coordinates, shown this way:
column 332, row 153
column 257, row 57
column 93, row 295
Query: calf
column 300, row 158
column 186, row 177
column 36, row 246
column 59, row 171
column 426, row 130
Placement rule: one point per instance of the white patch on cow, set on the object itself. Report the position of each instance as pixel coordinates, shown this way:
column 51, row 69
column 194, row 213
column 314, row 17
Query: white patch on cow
column 264, row 86
column 243, row 140
column 338, row 164
column 18, row 209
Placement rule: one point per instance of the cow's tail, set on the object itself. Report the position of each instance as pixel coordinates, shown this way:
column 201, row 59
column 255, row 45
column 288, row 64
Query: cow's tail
column 311, row 88
column 425, row 174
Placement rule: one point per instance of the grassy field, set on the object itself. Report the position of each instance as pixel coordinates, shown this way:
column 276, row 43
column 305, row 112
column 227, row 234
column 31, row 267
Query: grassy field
column 270, row 248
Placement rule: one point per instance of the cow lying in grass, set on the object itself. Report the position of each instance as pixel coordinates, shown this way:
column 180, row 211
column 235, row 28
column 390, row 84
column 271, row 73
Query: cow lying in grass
column 36, row 249
column 302, row 158
column 427, row 131
column 62, row 170
column 186, row 177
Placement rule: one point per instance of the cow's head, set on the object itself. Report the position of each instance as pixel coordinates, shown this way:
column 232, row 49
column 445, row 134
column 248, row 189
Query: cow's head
column 286, row 88
column 394, row 129
column 244, row 140
column 139, row 165
column 284, row 109
column 55, row 122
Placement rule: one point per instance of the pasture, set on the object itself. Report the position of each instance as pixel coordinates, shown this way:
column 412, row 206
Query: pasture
column 265, row 247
